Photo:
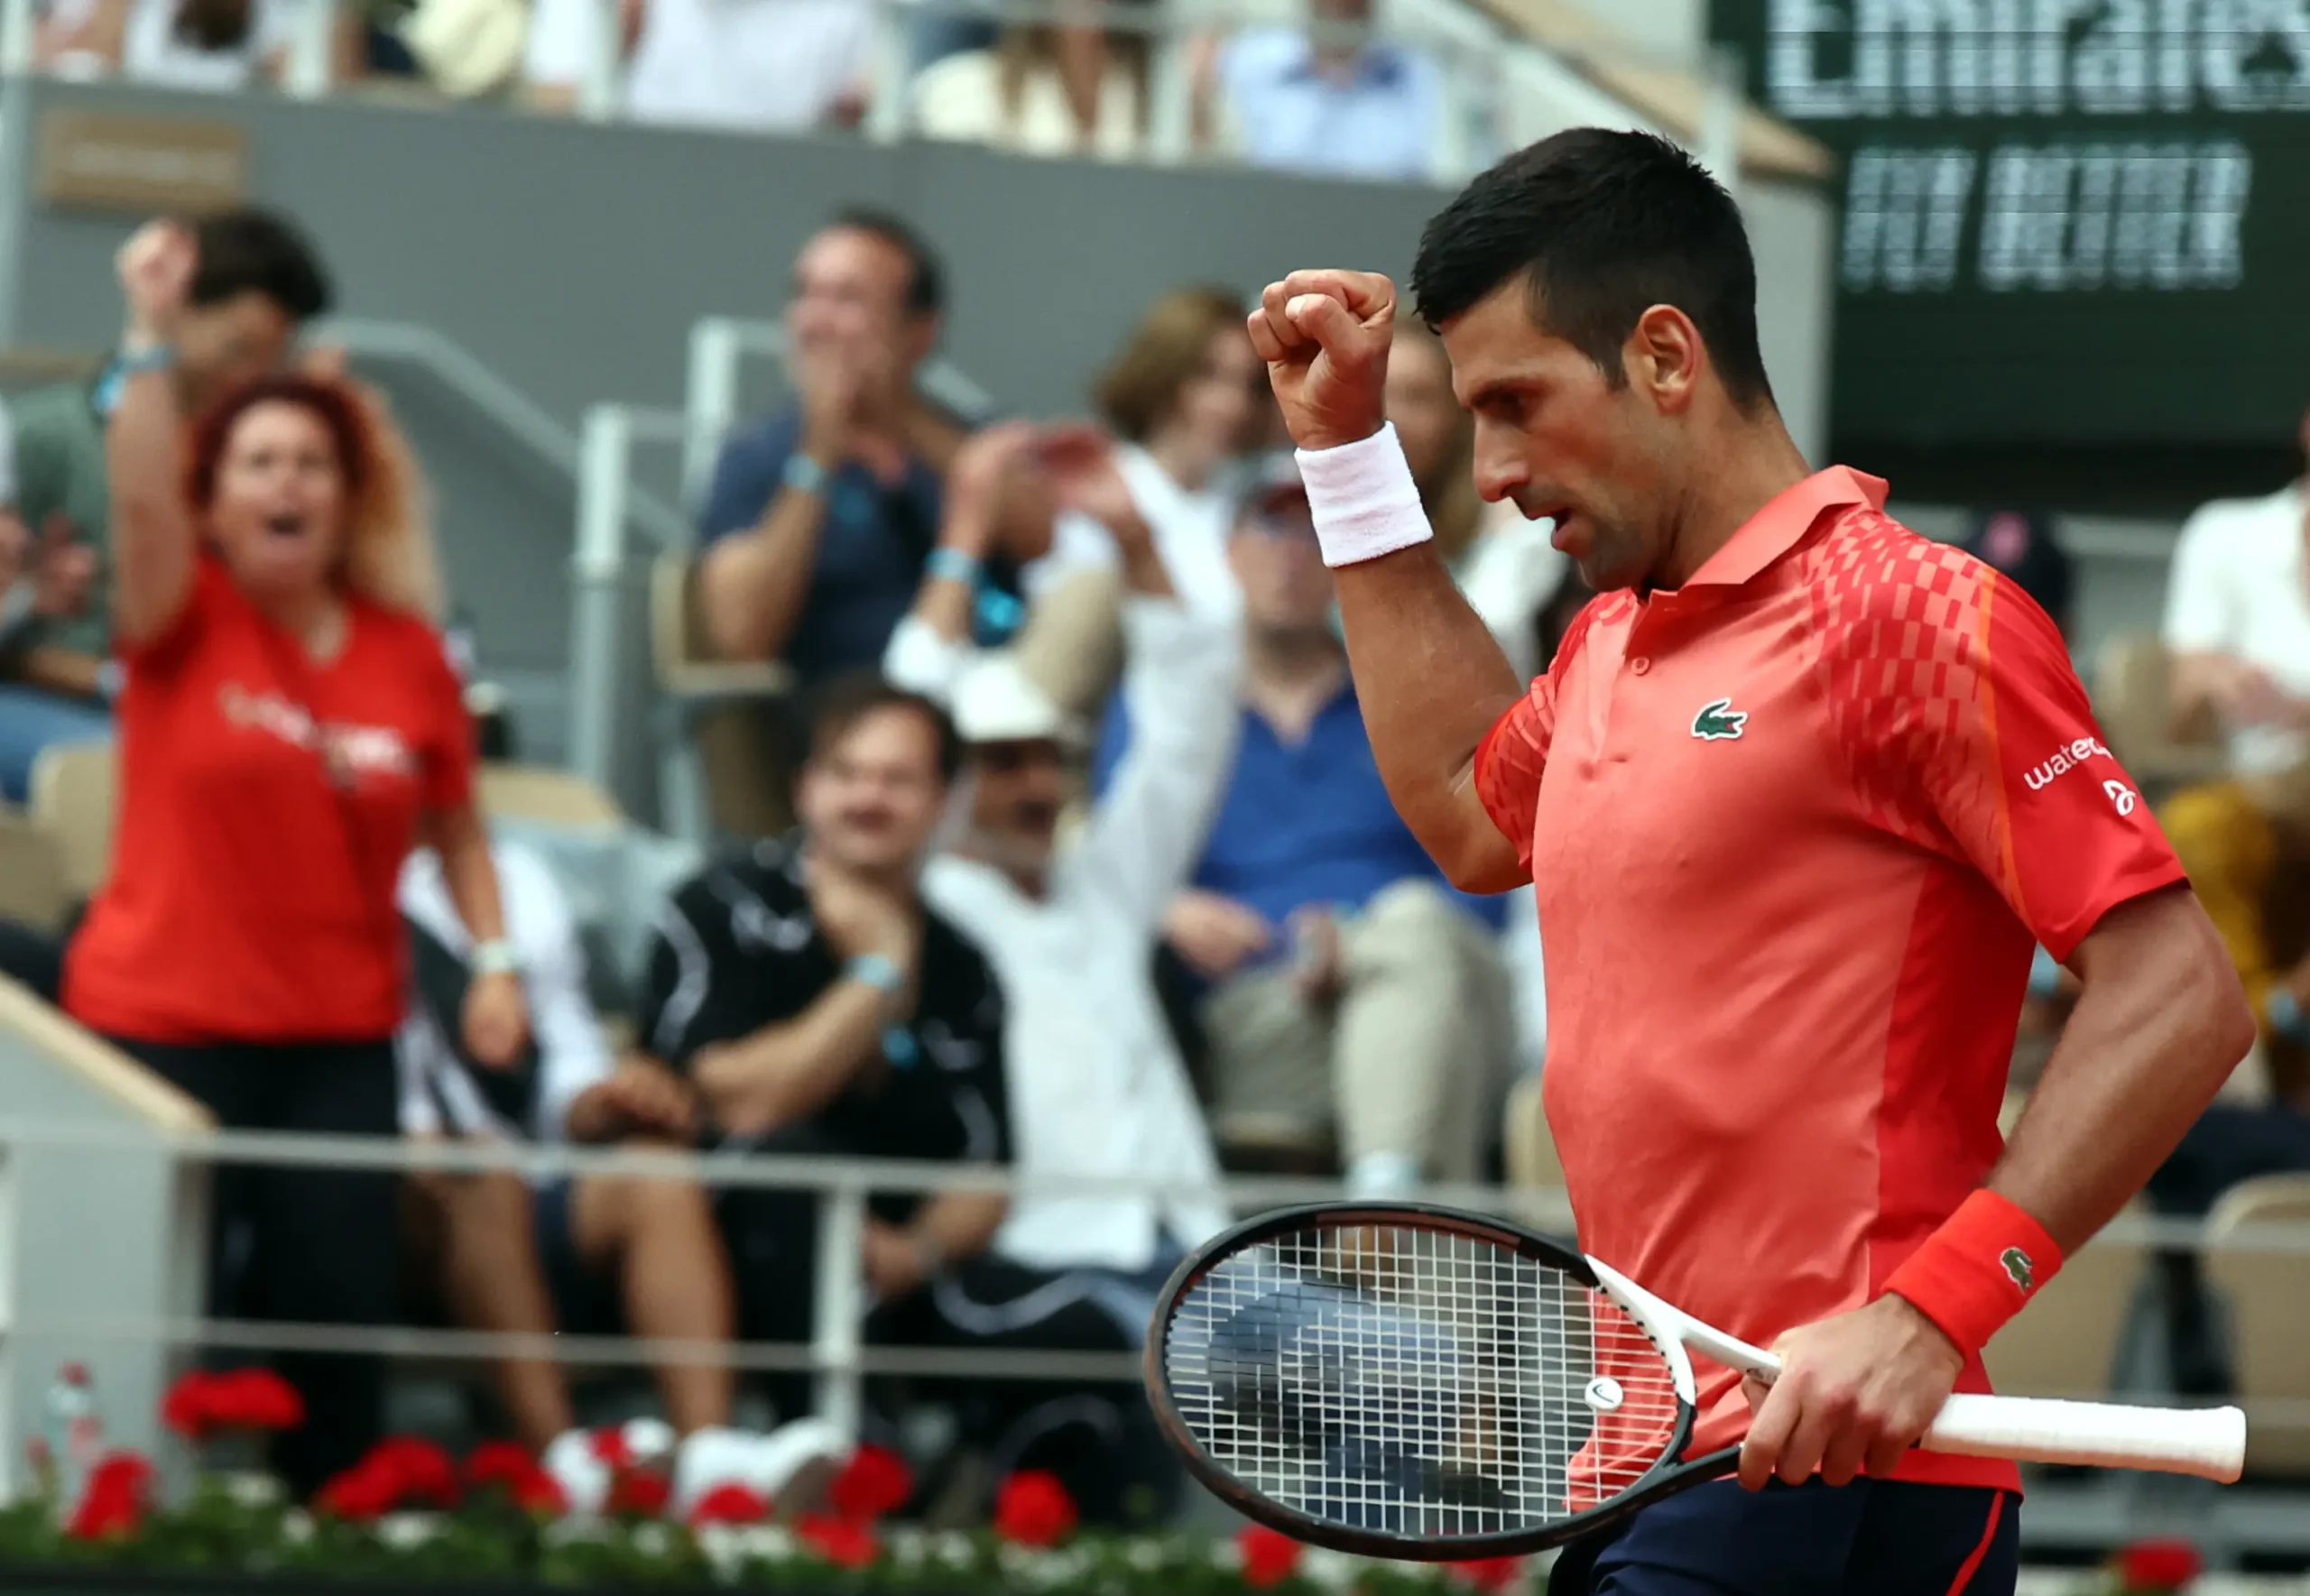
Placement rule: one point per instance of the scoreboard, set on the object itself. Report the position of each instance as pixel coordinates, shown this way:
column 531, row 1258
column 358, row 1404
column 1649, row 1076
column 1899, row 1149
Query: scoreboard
column 2080, row 222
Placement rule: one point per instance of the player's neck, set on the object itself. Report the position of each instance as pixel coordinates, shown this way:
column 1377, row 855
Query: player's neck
column 1759, row 463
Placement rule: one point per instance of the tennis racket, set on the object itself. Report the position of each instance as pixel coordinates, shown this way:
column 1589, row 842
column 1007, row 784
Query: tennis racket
column 1408, row 1381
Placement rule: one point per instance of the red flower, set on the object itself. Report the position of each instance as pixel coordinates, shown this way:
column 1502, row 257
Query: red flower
column 199, row 1404
column 875, row 1481
column 1490, row 1574
column 1033, row 1509
column 256, row 1399
column 840, row 1542
column 499, row 1462
column 186, row 1409
column 2158, row 1565
column 541, row 1497
column 502, row 1466
column 418, row 1471
column 119, row 1490
column 729, row 1504
column 609, row 1446
column 636, row 1493
column 358, row 1495
column 1269, row 1556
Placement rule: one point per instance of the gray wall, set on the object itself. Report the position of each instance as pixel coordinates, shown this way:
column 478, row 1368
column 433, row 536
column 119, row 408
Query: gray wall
column 573, row 259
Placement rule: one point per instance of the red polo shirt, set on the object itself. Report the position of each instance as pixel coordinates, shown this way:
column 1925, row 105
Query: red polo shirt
column 1794, row 828
column 266, row 804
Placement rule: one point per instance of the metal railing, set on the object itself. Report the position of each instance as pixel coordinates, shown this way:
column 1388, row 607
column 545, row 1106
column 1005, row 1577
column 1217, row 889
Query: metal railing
column 2107, row 1510
column 836, row 1352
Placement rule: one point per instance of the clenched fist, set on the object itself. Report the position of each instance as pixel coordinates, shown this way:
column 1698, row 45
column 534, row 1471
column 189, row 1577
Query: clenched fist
column 1325, row 337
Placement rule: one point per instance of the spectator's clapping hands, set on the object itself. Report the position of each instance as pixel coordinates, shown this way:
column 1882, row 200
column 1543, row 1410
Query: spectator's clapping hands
column 643, row 1098
column 986, row 467
column 1214, row 934
column 495, row 1020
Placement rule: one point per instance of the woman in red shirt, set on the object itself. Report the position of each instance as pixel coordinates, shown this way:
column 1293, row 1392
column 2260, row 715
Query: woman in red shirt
column 288, row 728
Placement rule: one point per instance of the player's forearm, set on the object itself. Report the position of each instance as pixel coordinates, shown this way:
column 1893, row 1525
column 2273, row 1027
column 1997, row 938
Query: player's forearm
column 751, row 586
column 2159, row 1025
column 1431, row 680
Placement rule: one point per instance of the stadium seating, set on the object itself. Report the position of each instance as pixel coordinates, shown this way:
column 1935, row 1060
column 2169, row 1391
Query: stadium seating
column 2266, row 1294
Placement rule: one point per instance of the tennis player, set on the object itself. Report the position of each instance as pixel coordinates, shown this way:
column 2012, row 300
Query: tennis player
column 1799, row 793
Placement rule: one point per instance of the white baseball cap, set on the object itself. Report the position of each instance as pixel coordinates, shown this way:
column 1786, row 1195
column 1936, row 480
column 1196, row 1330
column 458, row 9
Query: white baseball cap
column 997, row 702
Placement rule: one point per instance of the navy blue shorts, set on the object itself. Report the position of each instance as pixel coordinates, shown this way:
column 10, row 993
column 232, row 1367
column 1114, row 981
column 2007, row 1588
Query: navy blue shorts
column 1874, row 1538
column 586, row 1300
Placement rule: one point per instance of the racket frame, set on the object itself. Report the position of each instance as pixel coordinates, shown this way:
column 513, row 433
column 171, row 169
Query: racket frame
column 2208, row 1443
column 1666, row 1476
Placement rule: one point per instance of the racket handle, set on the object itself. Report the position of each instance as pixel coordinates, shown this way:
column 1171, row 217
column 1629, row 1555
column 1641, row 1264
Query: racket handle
column 2207, row 1442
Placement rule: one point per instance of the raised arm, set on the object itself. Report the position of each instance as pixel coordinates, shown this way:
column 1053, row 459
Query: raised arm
column 1431, row 680
column 1180, row 680
column 930, row 647
column 152, row 539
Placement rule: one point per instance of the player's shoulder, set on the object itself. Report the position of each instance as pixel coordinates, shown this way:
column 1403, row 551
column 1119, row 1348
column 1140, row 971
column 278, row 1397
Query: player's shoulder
column 1866, row 570
column 1881, row 591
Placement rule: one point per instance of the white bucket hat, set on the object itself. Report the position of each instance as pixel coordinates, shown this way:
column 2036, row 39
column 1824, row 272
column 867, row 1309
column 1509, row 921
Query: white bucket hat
column 995, row 702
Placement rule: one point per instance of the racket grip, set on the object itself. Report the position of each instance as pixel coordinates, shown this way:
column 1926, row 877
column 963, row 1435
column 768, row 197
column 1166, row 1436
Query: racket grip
column 2207, row 1442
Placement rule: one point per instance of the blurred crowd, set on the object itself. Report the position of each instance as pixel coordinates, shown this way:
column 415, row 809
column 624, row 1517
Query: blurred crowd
column 1067, row 853
column 1074, row 79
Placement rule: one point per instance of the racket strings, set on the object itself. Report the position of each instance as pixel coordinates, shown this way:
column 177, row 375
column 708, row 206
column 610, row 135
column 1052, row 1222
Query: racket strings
column 1416, row 1382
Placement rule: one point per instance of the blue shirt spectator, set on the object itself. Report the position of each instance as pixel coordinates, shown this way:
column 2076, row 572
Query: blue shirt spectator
column 1303, row 825
column 1372, row 114
column 871, row 547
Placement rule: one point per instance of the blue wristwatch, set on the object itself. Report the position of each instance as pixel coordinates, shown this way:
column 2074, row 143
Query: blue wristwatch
column 803, row 475
column 874, row 970
column 127, row 363
column 952, row 565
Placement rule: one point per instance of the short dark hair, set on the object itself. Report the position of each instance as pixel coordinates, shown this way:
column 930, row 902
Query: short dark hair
column 926, row 284
column 849, row 698
column 1605, row 225
column 255, row 251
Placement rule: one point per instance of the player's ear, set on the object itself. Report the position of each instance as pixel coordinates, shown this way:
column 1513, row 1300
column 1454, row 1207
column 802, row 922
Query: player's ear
column 1664, row 356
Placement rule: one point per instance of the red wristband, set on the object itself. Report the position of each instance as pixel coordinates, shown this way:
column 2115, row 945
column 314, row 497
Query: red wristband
column 1978, row 1270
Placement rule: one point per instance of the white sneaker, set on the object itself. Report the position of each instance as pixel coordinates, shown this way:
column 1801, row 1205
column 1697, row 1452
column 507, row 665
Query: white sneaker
column 795, row 1463
column 577, row 1466
column 707, row 1460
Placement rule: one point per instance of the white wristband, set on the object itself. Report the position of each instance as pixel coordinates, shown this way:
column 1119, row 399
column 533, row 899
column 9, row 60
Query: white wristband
column 1363, row 498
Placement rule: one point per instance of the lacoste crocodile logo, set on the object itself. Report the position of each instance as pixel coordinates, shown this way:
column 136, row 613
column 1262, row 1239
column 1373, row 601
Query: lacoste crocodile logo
column 2019, row 1268
column 1719, row 722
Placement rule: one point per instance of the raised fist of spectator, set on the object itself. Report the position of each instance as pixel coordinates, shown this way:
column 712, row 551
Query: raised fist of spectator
column 643, row 1098
column 156, row 267
column 496, row 1018
column 61, row 568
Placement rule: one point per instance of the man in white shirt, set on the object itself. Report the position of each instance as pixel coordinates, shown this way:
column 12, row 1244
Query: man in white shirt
column 1097, row 1088
column 603, row 1256
column 761, row 66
